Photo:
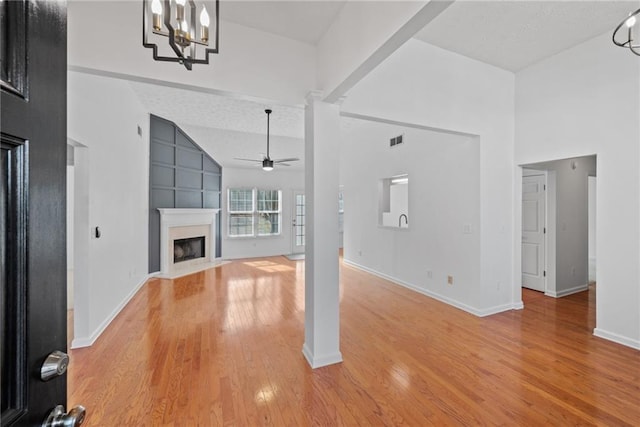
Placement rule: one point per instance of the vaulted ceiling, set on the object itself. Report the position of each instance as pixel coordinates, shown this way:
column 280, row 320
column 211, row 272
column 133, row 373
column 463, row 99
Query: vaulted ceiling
column 507, row 34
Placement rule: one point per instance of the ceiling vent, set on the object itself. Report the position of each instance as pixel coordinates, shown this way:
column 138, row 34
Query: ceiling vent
column 395, row 141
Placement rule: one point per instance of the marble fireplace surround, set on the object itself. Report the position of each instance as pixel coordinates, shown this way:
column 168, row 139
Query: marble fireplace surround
column 178, row 223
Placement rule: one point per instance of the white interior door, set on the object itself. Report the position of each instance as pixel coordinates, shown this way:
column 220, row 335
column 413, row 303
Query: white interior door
column 533, row 232
column 298, row 222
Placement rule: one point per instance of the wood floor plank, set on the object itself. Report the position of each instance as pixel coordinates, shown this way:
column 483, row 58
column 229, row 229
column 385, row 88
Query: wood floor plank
column 223, row 348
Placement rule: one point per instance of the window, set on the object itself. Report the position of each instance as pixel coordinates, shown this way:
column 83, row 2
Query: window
column 240, row 212
column 268, row 212
column 254, row 212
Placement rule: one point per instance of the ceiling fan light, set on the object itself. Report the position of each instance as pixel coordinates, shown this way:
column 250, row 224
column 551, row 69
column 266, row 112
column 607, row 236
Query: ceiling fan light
column 267, row 165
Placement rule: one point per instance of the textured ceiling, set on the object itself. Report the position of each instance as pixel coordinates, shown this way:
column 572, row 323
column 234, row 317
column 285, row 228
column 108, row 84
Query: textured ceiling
column 515, row 34
column 190, row 107
column 228, row 127
column 305, row 21
column 225, row 146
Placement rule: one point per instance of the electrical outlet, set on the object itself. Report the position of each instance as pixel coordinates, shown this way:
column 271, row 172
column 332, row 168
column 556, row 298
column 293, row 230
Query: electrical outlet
column 450, row 280
column 360, row 253
column 573, row 271
column 429, row 274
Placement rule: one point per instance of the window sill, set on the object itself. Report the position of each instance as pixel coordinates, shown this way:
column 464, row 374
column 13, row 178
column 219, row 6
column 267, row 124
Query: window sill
column 269, row 236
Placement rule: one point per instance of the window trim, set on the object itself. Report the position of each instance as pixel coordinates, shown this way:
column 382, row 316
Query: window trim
column 254, row 213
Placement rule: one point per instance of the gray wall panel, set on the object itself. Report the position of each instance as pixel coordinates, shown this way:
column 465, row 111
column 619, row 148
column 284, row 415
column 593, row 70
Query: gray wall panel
column 182, row 175
column 211, row 166
column 164, row 131
column 184, row 141
column 211, row 182
column 189, row 199
column 189, row 179
column 212, row 199
column 162, row 176
column 161, row 198
column 161, row 153
column 189, row 159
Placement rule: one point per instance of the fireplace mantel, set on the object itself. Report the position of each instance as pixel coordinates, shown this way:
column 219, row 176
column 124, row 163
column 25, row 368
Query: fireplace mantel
column 176, row 217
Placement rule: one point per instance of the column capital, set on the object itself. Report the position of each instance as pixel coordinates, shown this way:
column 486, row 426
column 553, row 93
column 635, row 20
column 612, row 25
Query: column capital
column 313, row 96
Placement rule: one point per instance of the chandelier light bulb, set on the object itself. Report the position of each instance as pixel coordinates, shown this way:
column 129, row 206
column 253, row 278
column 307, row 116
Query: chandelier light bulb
column 181, row 2
column 156, row 7
column 204, row 17
column 630, row 22
column 184, row 26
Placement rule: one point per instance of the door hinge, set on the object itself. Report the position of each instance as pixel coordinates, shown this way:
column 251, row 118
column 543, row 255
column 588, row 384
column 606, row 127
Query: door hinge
column 544, row 230
column 544, row 273
column 544, row 187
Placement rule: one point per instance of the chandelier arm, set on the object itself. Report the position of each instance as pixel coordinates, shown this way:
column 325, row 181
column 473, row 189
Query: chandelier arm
column 615, row 32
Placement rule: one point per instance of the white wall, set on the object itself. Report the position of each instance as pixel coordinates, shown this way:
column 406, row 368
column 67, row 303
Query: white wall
column 277, row 179
column 357, row 32
column 586, row 100
column 443, row 197
column 106, row 36
column 426, row 85
column 103, row 114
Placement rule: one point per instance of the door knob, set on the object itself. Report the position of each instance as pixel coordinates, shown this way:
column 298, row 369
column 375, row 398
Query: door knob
column 54, row 365
column 58, row 418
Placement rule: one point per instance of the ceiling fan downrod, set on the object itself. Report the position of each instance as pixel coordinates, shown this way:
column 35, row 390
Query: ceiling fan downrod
column 268, row 113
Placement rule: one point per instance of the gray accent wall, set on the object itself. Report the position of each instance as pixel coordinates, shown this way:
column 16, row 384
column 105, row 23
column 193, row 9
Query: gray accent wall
column 182, row 175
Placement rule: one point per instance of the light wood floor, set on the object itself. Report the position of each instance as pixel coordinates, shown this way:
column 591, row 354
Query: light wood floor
column 223, row 347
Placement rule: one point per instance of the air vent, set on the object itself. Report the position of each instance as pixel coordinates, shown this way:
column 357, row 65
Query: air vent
column 395, row 141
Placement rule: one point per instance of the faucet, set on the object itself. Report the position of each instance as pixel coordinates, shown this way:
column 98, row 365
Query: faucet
column 406, row 220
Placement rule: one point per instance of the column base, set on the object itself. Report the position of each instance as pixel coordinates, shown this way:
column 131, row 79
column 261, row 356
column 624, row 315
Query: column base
column 320, row 361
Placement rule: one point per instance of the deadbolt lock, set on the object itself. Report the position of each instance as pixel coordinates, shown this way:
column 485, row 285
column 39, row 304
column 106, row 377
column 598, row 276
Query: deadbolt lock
column 54, row 365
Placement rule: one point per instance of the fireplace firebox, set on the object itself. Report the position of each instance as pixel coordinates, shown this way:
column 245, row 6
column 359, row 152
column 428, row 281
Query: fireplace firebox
column 187, row 249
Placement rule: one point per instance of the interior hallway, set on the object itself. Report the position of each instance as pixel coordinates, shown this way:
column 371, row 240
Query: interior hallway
column 223, row 347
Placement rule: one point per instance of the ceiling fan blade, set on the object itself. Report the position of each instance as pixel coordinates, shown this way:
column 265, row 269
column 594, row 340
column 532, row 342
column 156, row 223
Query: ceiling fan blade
column 284, row 164
column 290, row 159
column 247, row 160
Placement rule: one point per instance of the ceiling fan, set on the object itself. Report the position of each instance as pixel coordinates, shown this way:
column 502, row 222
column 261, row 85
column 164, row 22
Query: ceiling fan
column 268, row 162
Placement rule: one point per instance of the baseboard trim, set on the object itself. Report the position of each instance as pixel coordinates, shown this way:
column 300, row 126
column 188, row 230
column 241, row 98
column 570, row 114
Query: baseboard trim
column 320, row 361
column 565, row 292
column 450, row 301
column 79, row 342
column 611, row 336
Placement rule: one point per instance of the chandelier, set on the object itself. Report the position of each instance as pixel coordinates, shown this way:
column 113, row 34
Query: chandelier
column 627, row 34
column 171, row 29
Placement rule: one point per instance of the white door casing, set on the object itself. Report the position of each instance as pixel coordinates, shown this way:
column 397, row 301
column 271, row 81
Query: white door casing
column 533, row 232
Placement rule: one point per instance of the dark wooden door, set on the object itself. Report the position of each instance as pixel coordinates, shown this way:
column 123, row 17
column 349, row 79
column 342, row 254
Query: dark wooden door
column 33, row 132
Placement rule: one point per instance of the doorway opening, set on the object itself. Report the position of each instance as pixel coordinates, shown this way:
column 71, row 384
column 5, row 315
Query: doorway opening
column 77, row 240
column 558, row 255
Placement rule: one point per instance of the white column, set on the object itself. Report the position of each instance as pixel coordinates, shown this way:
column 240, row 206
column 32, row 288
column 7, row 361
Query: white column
column 322, row 298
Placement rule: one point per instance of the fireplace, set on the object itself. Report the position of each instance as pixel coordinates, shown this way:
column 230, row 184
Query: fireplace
column 187, row 241
column 189, row 248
